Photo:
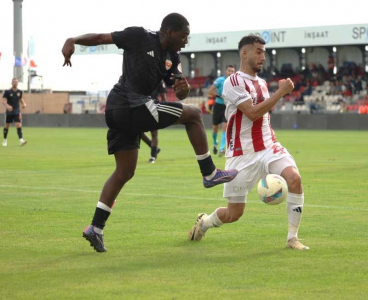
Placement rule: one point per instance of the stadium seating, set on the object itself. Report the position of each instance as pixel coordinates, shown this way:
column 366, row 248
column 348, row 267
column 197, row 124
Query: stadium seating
column 320, row 97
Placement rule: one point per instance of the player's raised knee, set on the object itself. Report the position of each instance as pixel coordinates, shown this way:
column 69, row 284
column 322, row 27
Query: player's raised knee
column 294, row 181
column 195, row 111
column 190, row 113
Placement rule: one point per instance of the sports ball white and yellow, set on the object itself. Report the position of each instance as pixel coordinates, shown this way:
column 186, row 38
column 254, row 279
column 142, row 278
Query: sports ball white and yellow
column 272, row 189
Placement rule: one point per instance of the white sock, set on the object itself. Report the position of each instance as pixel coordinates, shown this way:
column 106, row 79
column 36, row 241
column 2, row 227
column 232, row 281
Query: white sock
column 21, row 140
column 97, row 230
column 212, row 221
column 104, row 206
column 209, row 177
column 203, row 156
column 294, row 209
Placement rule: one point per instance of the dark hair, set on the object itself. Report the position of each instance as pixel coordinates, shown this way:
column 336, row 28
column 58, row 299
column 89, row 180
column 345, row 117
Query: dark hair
column 230, row 66
column 174, row 21
column 250, row 40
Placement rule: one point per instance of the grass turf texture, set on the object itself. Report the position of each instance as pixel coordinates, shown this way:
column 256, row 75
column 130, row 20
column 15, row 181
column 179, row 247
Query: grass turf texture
column 49, row 190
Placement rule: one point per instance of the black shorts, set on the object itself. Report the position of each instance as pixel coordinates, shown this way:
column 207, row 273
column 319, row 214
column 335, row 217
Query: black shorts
column 13, row 118
column 218, row 115
column 127, row 124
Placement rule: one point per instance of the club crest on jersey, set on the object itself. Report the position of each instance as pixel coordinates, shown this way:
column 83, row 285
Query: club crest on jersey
column 168, row 64
column 18, row 94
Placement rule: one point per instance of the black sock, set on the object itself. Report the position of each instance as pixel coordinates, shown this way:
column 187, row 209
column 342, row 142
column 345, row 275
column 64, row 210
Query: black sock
column 207, row 166
column 100, row 218
column 153, row 152
column 5, row 133
column 19, row 130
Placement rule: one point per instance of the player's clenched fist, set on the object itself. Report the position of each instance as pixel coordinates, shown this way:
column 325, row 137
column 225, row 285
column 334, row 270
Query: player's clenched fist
column 67, row 51
column 286, row 86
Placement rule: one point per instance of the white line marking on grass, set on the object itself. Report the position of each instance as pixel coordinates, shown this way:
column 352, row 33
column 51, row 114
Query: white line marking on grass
column 169, row 196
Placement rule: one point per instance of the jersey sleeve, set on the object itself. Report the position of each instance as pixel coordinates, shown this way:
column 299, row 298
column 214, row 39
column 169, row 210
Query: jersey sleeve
column 128, row 38
column 234, row 91
column 5, row 94
column 217, row 82
column 175, row 69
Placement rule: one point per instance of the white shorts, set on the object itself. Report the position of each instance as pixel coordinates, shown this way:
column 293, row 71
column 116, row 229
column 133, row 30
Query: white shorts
column 252, row 167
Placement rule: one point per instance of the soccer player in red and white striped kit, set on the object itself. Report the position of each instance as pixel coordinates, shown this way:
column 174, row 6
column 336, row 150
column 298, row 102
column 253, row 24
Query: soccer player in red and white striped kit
column 252, row 147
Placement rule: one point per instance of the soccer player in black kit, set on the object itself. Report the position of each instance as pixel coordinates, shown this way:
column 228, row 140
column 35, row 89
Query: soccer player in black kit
column 11, row 100
column 149, row 57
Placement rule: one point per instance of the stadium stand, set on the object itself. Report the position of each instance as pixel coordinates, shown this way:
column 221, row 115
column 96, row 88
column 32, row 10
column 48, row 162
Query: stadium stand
column 316, row 91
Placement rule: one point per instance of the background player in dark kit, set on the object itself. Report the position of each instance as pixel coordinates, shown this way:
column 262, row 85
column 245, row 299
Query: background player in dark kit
column 11, row 100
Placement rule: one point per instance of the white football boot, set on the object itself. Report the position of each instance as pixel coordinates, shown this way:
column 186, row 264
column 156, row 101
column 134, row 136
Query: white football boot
column 197, row 232
column 295, row 244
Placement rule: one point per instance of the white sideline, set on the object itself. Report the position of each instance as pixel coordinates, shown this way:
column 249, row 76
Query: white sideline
column 170, row 196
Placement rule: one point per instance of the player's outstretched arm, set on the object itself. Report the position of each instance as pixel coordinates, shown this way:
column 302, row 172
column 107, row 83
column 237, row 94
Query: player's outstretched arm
column 254, row 112
column 91, row 39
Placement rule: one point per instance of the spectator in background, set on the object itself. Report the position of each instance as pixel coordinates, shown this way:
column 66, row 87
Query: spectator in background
column 363, row 107
column 209, row 81
column 336, row 87
column 287, row 71
column 357, row 87
column 341, row 99
column 347, row 90
column 307, row 73
column 308, row 89
column 200, row 92
column 331, row 65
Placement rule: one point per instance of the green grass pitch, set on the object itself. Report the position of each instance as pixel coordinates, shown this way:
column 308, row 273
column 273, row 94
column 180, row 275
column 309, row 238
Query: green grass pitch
column 49, row 190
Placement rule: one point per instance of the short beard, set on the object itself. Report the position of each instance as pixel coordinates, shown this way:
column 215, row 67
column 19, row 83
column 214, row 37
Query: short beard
column 257, row 70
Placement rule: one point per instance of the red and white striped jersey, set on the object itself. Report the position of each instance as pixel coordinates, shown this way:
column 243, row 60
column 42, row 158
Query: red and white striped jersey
column 243, row 135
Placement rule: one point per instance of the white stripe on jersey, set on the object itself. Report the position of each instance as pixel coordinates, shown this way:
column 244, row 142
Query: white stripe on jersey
column 243, row 135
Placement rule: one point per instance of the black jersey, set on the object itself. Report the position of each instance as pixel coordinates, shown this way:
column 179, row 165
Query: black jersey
column 13, row 99
column 145, row 64
column 160, row 89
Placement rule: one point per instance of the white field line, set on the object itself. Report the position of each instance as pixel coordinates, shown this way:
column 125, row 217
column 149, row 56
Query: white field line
column 167, row 196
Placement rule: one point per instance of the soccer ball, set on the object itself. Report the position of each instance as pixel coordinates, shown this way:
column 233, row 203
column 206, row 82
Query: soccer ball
column 272, row 189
